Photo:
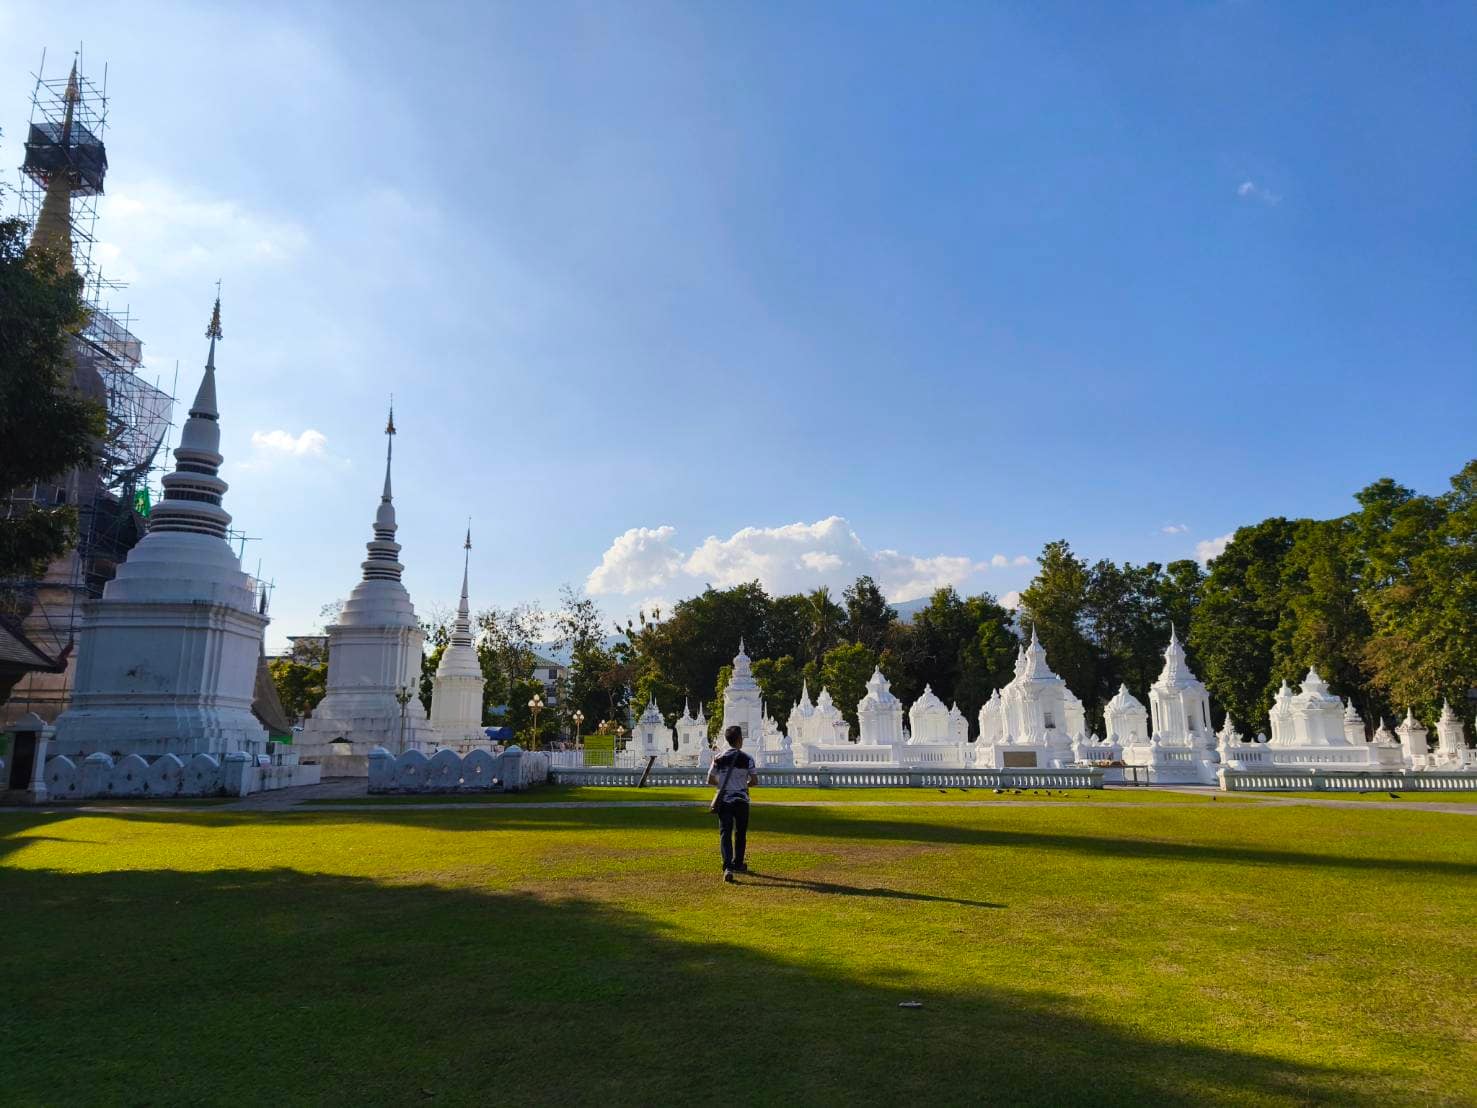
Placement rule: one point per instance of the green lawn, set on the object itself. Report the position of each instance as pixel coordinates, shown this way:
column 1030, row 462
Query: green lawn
column 1401, row 796
column 1073, row 953
column 623, row 794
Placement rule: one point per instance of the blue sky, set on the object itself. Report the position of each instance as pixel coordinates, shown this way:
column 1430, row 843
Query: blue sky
column 679, row 293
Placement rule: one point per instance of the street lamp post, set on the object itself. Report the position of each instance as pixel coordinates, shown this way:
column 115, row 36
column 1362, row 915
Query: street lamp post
column 579, row 719
column 536, row 705
column 402, row 698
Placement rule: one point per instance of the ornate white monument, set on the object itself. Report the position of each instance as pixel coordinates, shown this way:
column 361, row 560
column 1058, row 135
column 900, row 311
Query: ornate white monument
column 167, row 659
column 929, row 721
column 879, row 714
column 692, row 735
column 1032, row 722
column 1312, row 729
column 1415, row 741
column 650, row 735
column 374, row 659
column 456, row 691
column 819, row 724
column 1181, row 749
column 743, row 702
column 1452, row 751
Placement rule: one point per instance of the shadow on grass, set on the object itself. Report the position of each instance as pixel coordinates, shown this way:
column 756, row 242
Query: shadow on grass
column 755, row 879
column 163, row 986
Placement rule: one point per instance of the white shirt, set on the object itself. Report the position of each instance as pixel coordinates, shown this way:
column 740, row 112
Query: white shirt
column 739, row 779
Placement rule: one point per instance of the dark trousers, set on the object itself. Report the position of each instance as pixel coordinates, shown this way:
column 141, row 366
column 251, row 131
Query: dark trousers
column 733, row 831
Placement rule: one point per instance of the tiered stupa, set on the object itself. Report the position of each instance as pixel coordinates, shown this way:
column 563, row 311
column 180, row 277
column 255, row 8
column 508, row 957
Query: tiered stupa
column 167, row 659
column 1182, row 747
column 374, row 658
column 456, row 691
column 743, row 702
column 1032, row 721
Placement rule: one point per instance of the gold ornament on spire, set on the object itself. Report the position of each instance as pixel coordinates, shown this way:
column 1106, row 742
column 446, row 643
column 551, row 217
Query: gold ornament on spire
column 214, row 330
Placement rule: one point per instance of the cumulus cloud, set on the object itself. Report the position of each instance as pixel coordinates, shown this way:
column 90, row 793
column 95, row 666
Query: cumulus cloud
column 278, row 447
column 643, row 559
column 791, row 558
column 1174, row 528
column 165, row 230
column 1208, row 549
column 1250, row 190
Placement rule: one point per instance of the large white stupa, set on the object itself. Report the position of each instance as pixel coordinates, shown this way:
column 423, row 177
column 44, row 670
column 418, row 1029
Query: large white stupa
column 167, row 657
column 456, row 691
column 374, row 658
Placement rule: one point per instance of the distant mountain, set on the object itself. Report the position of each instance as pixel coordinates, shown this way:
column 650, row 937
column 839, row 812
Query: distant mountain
column 907, row 609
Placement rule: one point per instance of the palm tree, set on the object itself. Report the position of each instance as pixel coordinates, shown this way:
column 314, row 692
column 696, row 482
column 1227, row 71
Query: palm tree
column 826, row 620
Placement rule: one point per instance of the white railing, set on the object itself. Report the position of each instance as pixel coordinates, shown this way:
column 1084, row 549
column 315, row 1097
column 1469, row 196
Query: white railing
column 1313, row 780
column 849, row 777
column 446, row 771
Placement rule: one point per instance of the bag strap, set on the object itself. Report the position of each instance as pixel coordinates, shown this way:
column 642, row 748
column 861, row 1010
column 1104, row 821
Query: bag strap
column 732, row 765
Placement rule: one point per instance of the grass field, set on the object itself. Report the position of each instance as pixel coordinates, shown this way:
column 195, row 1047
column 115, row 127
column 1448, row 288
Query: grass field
column 1168, row 952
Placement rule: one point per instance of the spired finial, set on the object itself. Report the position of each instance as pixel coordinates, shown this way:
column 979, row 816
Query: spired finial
column 390, row 425
column 213, row 331
column 468, row 544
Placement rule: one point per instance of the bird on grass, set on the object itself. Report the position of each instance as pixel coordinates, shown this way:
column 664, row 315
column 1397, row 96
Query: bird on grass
column 1394, row 796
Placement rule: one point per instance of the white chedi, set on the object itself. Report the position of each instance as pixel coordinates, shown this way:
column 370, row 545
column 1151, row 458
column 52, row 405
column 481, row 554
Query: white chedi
column 1126, row 719
column 374, row 656
column 743, row 701
column 1032, row 721
column 1452, row 751
column 167, row 656
column 456, row 690
column 958, row 724
column 818, row 724
column 929, row 721
column 880, row 714
column 1414, row 741
column 650, row 735
column 692, row 735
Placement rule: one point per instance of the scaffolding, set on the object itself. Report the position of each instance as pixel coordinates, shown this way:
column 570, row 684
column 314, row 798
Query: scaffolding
column 65, row 135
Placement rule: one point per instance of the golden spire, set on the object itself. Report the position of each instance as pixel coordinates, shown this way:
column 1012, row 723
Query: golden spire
column 53, row 231
column 214, row 330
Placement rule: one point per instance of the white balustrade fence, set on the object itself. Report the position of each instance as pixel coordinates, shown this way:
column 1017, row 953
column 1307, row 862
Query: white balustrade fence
column 446, row 771
column 168, row 775
column 1291, row 780
column 849, row 777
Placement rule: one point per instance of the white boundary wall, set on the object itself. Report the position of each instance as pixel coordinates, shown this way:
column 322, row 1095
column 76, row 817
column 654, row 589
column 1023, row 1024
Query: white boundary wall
column 169, row 775
column 446, row 771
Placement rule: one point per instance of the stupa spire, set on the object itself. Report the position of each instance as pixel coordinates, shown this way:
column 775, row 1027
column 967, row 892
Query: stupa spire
column 461, row 634
column 383, row 563
column 193, row 490
column 53, row 230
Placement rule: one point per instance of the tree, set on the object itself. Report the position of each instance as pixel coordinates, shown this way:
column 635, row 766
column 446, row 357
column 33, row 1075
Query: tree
column 1056, row 606
column 779, row 680
column 300, row 685
column 868, row 615
column 1235, row 624
column 46, row 426
column 827, row 619
column 845, row 671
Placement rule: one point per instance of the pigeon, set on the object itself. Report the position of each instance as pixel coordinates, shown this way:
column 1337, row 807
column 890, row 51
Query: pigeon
column 1394, row 796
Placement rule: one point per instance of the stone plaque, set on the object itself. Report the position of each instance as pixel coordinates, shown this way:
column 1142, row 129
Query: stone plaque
column 1019, row 759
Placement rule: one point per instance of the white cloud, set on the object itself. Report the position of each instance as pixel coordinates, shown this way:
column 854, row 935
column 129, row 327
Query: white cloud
column 1174, row 528
column 792, row 558
column 1250, row 190
column 284, row 442
column 1207, row 549
column 1011, row 600
column 163, row 230
column 641, row 559
column 1021, row 560
column 275, row 448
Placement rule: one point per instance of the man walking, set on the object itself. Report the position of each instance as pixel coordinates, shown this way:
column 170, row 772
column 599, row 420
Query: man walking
column 733, row 773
